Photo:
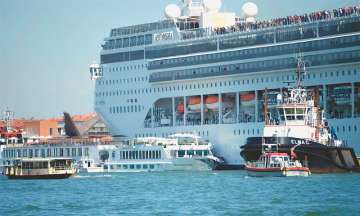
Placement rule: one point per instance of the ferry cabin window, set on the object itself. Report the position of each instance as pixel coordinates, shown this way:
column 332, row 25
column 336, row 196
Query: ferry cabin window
column 118, row 43
column 42, row 153
column 148, row 39
column 86, row 151
column 140, row 40
column 133, row 41
column 18, row 153
column 126, row 42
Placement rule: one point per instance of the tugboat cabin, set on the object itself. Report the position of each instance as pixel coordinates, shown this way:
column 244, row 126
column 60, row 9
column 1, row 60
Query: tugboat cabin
column 272, row 160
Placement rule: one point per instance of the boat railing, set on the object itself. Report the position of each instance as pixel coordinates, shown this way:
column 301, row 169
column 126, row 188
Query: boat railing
column 58, row 168
column 272, row 25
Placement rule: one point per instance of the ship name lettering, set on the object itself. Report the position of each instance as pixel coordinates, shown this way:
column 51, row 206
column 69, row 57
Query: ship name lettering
column 299, row 142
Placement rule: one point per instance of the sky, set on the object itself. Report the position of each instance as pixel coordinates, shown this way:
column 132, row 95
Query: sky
column 46, row 46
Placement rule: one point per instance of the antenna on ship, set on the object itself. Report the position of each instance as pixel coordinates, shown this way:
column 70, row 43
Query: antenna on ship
column 8, row 117
column 301, row 70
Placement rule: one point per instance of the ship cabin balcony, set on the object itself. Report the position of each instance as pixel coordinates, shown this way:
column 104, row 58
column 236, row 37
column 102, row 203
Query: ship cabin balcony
column 260, row 65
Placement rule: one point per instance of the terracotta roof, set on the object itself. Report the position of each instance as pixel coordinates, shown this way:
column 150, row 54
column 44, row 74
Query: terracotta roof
column 85, row 117
column 16, row 123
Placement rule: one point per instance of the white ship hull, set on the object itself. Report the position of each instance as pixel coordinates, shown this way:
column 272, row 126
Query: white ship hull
column 178, row 164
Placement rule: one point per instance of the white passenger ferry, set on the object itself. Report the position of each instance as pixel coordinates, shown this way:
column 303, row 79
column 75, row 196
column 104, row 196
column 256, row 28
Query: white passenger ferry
column 40, row 168
column 201, row 69
column 179, row 152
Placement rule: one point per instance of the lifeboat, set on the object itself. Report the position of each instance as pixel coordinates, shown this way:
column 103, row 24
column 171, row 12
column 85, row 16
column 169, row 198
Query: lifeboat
column 180, row 108
column 247, row 99
column 212, row 102
column 194, row 103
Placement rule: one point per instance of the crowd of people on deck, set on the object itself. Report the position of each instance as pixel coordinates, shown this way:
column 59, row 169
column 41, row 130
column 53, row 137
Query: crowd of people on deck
column 289, row 20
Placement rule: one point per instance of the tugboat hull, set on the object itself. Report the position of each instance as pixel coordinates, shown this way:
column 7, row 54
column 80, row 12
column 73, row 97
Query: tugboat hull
column 319, row 158
column 276, row 172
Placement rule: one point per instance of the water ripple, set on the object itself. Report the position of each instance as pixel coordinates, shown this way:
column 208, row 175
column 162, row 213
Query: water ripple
column 182, row 193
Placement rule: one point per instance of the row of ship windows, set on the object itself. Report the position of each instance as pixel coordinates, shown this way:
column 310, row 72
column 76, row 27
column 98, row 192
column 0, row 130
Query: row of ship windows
column 120, row 81
column 55, row 152
column 125, row 109
column 338, row 129
column 349, row 128
column 135, row 155
column 128, row 42
column 133, row 166
column 199, row 133
column 259, row 52
column 125, row 68
column 225, row 83
column 247, row 132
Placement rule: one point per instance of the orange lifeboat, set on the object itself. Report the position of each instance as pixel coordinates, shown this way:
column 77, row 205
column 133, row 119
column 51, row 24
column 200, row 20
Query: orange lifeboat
column 247, row 99
column 194, row 103
column 180, row 108
column 212, row 102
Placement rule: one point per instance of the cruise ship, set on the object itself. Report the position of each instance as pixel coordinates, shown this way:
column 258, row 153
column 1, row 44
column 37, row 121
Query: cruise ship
column 202, row 70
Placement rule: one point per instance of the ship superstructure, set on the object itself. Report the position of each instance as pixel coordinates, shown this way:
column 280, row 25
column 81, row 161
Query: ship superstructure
column 205, row 71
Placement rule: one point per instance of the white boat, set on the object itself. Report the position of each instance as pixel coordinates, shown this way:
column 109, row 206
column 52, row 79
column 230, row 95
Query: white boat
column 179, row 152
column 276, row 165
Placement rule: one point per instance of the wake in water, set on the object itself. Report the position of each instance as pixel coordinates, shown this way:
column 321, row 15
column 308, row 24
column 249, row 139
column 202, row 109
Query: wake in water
column 93, row 176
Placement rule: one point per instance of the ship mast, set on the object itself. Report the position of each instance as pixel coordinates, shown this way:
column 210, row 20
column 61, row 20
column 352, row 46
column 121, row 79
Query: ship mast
column 8, row 117
column 300, row 71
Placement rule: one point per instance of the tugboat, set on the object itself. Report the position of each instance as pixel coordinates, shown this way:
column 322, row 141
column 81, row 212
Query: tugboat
column 276, row 165
column 296, row 126
column 42, row 168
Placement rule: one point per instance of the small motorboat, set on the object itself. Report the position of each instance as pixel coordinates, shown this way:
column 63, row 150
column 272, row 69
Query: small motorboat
column 276, row 165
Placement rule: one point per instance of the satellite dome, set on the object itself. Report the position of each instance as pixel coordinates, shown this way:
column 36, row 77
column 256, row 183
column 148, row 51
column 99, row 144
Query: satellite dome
column 212, row 5
column 250, row 9
column 172, row 11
